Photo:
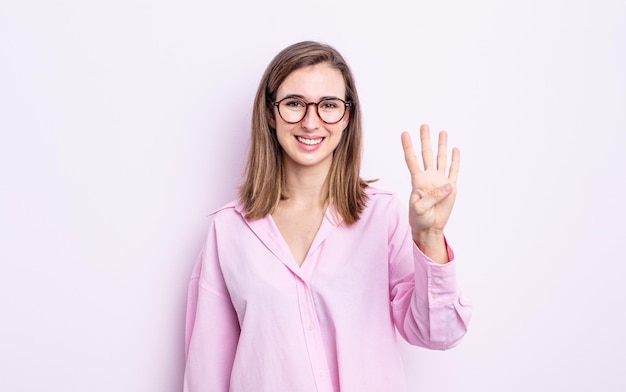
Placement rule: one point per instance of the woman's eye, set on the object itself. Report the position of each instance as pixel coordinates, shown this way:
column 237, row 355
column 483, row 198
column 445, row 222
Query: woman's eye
column 329, row 105
column 294, row 104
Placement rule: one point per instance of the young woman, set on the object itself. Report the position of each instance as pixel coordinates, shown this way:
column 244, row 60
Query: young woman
column 305, row 279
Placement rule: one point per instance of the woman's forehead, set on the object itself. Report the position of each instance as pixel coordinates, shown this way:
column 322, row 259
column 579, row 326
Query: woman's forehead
column 314, row 82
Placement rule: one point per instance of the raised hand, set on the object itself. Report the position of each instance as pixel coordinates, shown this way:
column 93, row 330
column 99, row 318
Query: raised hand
column 433, row 191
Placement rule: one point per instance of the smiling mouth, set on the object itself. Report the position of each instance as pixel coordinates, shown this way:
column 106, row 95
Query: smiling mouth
column 309, row 142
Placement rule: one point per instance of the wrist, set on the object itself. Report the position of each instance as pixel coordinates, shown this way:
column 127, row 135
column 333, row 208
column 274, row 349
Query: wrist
column 433, row 244
column 428, row 236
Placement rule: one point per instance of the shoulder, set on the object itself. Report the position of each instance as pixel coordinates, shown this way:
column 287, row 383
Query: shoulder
column 224, row 224
column 377, row 197
column 382, row 202
column 231, row 211
column 228, row 208
column 383, row 212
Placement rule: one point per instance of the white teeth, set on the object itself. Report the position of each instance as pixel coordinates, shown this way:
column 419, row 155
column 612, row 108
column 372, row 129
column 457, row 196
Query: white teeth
column 309, row 142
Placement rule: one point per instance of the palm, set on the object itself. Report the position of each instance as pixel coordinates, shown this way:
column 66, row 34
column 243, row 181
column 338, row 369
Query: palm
column 433, row 187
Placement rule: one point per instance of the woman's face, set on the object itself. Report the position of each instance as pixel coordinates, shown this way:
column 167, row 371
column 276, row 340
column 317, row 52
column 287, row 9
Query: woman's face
column 310, row 143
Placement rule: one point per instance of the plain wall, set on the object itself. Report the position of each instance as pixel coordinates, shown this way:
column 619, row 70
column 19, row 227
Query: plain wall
column 124, row 123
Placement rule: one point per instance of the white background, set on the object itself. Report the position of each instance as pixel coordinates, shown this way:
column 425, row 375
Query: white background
column 123, row 123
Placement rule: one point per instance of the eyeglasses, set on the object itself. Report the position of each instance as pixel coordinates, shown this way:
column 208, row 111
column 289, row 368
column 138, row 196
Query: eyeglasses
column 292, row 109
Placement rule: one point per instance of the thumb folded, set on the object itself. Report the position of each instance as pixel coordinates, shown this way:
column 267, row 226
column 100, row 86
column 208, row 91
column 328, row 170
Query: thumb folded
column 445, row 190
column 434, row 197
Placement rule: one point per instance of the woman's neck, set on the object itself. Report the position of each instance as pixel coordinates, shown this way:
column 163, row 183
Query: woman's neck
column 305, row 185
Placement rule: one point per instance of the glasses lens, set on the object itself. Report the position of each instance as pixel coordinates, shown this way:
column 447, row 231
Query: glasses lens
column 292, row 110
column 331, row 110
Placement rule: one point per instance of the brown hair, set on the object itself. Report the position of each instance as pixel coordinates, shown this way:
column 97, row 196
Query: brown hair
column 264, row 182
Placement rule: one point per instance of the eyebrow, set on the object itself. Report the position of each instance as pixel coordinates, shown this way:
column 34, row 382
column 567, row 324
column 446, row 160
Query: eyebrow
column 303, row 98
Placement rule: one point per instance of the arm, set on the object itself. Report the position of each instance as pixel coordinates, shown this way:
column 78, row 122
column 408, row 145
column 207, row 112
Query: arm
column 212, row 327
column 428, row 308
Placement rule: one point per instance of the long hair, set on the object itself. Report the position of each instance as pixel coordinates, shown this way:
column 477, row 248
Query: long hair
column 264, row 183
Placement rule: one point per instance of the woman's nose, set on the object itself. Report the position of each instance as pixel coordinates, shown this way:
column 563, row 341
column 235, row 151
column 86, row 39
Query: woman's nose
column 311, row 119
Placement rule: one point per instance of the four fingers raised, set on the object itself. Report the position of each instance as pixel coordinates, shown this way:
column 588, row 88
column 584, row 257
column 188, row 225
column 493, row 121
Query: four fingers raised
column 427, row 153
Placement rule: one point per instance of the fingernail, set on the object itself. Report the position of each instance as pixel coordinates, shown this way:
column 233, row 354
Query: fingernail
column 447, row 188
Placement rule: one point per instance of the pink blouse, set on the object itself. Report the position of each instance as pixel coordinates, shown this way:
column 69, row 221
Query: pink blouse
column 258, row 322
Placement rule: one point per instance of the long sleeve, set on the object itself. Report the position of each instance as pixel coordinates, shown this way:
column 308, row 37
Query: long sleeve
column 428, row 307
column 212, row 327
column 257, row 321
